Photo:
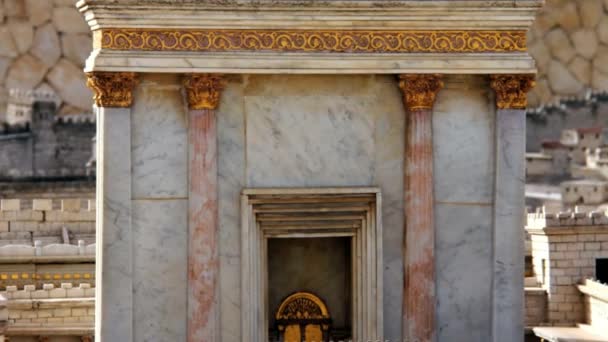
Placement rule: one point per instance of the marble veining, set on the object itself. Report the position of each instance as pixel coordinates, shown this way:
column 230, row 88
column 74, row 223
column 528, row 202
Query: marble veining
column 389, row 137
column 115, row 267
column 203, row 259
column 508, row 220
column 309, row 141
column 231, row 180
column 374, row 103
column 159, row 149
column 160, row 232
column 464, row 272
column 463, row 129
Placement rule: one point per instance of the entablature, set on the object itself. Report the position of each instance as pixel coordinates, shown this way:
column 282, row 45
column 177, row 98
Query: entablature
column 340, row 37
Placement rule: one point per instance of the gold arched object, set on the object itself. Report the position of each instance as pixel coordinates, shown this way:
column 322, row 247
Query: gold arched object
column 303, row 313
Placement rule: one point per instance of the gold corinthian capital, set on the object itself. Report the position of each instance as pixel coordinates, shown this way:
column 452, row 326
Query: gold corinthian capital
column 112, row 89
column 203, row 90
column 511, row 90
column 420, row 90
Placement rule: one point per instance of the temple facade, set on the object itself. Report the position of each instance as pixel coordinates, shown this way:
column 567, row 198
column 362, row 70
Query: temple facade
column 323, row 170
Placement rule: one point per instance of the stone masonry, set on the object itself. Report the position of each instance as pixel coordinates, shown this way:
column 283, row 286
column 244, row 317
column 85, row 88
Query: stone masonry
column 65, row 313
column 569, row 41
column 45, row 146
column 565, row 247
column 47, row 268
column 596, row 303
column 536, row 306
column 43, row 45
column 46, row 220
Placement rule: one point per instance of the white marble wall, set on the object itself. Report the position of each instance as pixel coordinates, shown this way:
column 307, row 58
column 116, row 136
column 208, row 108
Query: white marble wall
column 463, row 124
column 297, row 131
column 159, row 209
column 114, row 240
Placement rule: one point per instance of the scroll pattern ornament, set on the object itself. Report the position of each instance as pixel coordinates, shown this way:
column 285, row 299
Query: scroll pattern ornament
column 314, row 41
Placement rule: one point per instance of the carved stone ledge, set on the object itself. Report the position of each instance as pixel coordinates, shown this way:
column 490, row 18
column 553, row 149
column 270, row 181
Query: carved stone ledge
column 511, row 90
column 420, row 90
column 112, row 89
column 203, row 91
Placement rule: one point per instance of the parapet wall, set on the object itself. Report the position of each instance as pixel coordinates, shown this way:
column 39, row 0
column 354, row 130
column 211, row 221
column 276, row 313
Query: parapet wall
column 51, row 311
column 66, row 221
column 540, row 220
column 48, row 291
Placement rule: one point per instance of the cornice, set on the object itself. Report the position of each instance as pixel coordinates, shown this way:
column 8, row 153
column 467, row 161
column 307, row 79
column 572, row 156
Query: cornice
column 353, row 15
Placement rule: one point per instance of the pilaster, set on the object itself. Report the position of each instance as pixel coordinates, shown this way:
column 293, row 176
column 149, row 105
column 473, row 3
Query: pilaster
column 510, row 140
column 114, row 271
column 203, row 94
column 419, row 92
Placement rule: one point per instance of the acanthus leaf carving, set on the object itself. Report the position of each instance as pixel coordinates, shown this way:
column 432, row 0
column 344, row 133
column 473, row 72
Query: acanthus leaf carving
column 511, row 90
column 112, row 89
column 420, row 90
column 203, row 91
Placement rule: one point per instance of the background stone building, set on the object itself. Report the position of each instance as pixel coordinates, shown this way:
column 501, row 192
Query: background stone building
column 47, row 258
column 44, row 148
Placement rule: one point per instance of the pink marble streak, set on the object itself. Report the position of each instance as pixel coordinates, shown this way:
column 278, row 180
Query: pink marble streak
column 203, row 263
column 419, row 282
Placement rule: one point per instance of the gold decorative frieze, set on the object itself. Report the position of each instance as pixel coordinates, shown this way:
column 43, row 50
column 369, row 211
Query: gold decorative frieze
column 420, row 90
column 511, row 90
column 332, row 41
column 45, row 276
column 112, row 89
column 203, row 90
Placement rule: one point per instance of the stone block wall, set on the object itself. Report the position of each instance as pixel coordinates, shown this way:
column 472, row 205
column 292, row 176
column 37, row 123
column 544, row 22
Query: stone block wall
column 45, row 220
column 569, row 41
column 63, row 313
column 564, row 249
column 59, row 151
column 535, row 306
column 43, row 45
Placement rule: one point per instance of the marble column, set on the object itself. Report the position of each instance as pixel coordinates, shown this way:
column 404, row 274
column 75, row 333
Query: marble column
column 203, row 95
column 509, row 206
column 419, row 93
column 114, row 270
